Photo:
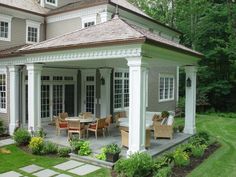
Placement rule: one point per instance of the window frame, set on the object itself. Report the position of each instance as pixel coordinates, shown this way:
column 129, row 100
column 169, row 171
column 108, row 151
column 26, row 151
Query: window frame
column 166, row 76
column 89, row 19
column 32, row 24
column 123, row 78
column 6, row 19
column 4, row 110
column 52, row 4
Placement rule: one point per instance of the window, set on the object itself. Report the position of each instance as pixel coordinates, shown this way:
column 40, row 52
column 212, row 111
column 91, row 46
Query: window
column 87, row 24
column 32, row 31
column 88, row 21
column 166, row 88
column 5, row 27
column 51, row 2
column 121, row 89
column 3, row 94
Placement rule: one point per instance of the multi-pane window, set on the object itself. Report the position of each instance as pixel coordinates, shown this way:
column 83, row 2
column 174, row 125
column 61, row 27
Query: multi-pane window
column 3, row 99
column 52, row 2
column 166, row 88
column 121, row 89
column 32, row 34
column 4, row 29
column 87, row 24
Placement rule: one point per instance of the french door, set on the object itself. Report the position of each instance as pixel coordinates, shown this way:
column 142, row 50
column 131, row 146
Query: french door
column 70, row 99
column 45, row 101
column 57, row 99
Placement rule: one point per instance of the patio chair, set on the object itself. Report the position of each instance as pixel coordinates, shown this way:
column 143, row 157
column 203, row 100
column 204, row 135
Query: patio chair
column 63, row 115
column 75, row 127
column 87, row 115
column 60, row 125
column 119, row 115
column 108, row 123
column 98, row 126
column 164, row 130
column 125, row 138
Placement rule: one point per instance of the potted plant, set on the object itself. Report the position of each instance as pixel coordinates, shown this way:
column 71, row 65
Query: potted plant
column 112, row 152
column 165, row 114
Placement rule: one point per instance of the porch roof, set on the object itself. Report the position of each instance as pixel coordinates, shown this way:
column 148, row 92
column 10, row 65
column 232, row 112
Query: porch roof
column 112, row 32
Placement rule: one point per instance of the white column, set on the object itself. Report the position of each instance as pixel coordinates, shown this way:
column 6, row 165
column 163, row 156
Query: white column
column 42, row 3
column 105, row 92
column 14, row 98
column 34, row 96
column 137, row 104
column 177, row 85
column 190, row 100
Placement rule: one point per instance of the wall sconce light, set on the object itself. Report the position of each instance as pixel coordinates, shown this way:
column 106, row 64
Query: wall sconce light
column 189, row 82
column 102, row 81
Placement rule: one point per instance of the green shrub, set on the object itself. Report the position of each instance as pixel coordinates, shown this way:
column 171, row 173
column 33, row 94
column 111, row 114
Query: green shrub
column 40, row 133
column 102, row 155
column 181, row 128
column 163, row 172
column 181, row 158
column 36, row 145
column 49, row 148
column 197, row 140
column 203, row 134
column 163, row 161
column 64, row 152
column 112, row 149
column 137, row 165
column 198, row 151
column 22, row 137
column 85, row 149
column 75, row 144
column 165, row 114
column 2, row 129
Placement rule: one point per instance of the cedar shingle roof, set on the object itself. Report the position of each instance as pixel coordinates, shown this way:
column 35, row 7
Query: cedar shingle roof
column 13, row 51
column 26, row 5
column 115, row 31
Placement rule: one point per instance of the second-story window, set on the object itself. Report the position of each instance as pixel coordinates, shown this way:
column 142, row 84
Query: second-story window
column 87, row 24
column 5, row 27
column 32, row 31
column 52, row 2
column 88, row 21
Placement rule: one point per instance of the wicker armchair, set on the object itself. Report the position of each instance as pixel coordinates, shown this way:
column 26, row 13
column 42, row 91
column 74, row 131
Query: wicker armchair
column 119, row 115
column 125, row 138
column 75, row 127
column 87, row 115
column 98, row 126
column 63, row 115
column 163, row 131
column 108, row 123
column 60, row 125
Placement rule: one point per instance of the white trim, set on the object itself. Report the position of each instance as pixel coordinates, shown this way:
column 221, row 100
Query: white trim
column 87, row 19
column 177, row 85
column 159, row 85
column 32, row 24
column 52, row 4
column 3, row 71
column 7, row 19
column 76, row 13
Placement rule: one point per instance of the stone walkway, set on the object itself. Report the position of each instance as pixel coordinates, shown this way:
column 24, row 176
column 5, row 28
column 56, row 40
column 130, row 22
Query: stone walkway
column 6, row 142
column 69, row 167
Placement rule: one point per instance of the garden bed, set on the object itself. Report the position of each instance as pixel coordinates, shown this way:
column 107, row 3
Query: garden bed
column 4, row 136
column 194, row 162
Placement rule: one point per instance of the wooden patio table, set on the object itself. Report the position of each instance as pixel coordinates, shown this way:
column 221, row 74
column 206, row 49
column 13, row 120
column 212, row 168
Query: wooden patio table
column 82, row 120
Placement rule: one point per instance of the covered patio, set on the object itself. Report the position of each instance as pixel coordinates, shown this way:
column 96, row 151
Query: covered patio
column 122, row 45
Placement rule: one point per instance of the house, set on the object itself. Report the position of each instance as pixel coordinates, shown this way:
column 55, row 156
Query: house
column 81, row 56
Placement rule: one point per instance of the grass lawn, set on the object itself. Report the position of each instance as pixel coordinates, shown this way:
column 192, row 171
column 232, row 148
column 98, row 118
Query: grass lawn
column 19, row 158
column 223, row 162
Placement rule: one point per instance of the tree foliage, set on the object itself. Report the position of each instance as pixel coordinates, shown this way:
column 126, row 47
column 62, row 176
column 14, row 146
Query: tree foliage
column 208, row 26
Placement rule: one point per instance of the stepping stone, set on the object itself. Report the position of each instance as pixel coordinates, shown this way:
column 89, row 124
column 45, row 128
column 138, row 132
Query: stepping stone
column 63, row 175
column 84, row 170
column 68, row 165
column 31, row 168
column 6, row 142
column 11, row 174
column 46, row 173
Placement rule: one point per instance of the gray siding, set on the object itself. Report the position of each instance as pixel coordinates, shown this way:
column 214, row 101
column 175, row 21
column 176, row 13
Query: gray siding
column 18, row 34
column 62, row 27
column 153, row 90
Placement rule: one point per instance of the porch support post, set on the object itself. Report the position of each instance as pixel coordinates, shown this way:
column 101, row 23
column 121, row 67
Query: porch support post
column 190, row 100
column 34, row 96
column 14, row 98
column 105, row 92
column 137, row 104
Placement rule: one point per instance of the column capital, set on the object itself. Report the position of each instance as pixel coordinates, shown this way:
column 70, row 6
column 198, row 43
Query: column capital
column 13, row 68
column 190, row 68
column 105, row 71
column 136, row 62
column 34, row 67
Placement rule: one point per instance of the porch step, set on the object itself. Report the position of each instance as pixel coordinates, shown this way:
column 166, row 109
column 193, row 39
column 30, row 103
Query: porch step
column 93, row 161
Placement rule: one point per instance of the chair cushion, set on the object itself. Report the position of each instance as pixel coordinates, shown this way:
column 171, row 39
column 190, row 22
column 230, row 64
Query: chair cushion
column 63, row 125
column 75, row 129
column 170, row 120
column 92, row 126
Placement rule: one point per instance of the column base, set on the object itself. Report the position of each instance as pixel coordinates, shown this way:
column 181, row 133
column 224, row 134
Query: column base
column 190, row 131
column 12, row 128
column 130, row 151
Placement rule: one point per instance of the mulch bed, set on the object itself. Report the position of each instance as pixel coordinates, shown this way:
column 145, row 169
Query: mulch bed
column 194, row 162
column 4, row 136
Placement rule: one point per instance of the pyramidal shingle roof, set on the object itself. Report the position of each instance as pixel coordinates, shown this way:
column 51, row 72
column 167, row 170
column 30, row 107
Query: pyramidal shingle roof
column 115, row 31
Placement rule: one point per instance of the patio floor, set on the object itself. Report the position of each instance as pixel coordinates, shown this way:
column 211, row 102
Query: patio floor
column 157, row 146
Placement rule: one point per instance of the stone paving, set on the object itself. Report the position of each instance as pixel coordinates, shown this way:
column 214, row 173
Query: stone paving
column 71, row 166
column 6, row 142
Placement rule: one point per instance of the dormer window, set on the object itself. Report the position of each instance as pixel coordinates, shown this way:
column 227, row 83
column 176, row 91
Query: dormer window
column 5, row 27
column 87, row 24
column 88, row 21
column 32, row 32
column 51, row 2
